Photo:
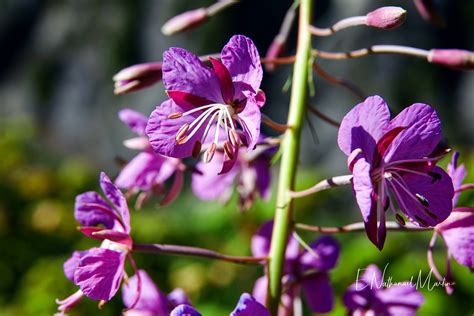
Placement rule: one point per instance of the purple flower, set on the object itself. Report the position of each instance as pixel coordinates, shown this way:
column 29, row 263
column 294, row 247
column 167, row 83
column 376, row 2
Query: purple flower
column 251, row 174
column 148, row 171
column 151, row 300
column 368, row 297
column 395, row 158
column 209, row 108
column 306, row 271
column 99, row 271
column 247, row 306
column 457, row 230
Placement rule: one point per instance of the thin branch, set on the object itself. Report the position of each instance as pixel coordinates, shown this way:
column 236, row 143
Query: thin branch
column 323, row 116
column 274, row 125
column 342, row 24
column 431, row 262
column 375, row 49
column 339, row 81
column 196, row 252
column 465, row 187
column 323, row 185
column 358, row 227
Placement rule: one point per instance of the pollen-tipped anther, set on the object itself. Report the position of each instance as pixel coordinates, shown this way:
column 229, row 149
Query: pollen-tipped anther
column 180, row 135
column 209, row 153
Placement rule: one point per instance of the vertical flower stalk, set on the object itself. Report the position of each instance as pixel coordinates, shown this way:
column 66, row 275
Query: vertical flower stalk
column 289, row 160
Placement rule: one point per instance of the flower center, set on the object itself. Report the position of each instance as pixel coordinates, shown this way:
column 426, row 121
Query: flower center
column 217, row 115
column 112, row 245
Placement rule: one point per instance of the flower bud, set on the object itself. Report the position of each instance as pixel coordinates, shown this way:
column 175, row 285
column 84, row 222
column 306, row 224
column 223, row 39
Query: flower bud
column 386, row 18
column 453, row 58
column 137, row 77
column 275, row 50
column 184, row 21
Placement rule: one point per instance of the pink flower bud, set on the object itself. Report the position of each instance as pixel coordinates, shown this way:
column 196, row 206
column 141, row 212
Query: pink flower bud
column 386, row 18
column 185, row 21
column 274, row 51
column 453, row 58
column 137, row 77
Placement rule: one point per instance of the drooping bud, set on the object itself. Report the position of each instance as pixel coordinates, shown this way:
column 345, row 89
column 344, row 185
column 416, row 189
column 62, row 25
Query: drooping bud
column 137, row 77
column 185, row 21
column 275, row 50
column 453, row 58
column 386, row 18
column 429, row 12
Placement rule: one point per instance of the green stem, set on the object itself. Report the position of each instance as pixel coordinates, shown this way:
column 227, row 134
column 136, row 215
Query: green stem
column 289, row 160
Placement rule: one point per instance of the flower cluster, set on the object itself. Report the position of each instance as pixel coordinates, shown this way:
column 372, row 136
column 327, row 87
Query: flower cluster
column 306, row 271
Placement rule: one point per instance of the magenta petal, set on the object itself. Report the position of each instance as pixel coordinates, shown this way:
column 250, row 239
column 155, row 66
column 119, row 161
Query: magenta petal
column 372, row 276
column 113, row 235
column 457, row 174
column 327, row 250
column 116, row 197
column 135, row 120
column 363, row 126
column 183, row 71
column 458, row 234
column 421, row 134
column 162, row 131
column 228, row 163
column 69, row 302
column 151, row 298
column 318, row 292
column 225, row 80
column 437, row 192
column 143, row 172
column 72, row 263
column 261, row 98
column 90, row 209
column 187, row 100
column 184, row 310
column 250, row 119
column 260, row 289
column 100, row 272
column 178, row 297
column 248, row 306
column 208, row 185
column 400, row 300
column 241, row 58
column 364, row 193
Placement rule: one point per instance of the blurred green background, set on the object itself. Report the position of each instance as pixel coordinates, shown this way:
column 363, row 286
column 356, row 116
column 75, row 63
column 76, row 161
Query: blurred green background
column 59, row 128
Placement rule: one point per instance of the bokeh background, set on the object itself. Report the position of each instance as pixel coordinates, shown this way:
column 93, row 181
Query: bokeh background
column 59, row 128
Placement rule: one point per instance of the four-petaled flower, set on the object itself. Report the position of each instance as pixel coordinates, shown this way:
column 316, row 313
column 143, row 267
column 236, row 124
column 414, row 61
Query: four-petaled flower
column 209, row 108
column 395, row 158
column 99, row 271
column 367, row 296
column 306, row 270
column 251, row 173
column 247, row 306
column 148, row 171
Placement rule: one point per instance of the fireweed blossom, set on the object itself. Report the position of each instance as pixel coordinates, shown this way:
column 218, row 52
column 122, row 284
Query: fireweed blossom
column 209, row 108
column 367, row 296
column 148, row 171
column 250, row 174
column 247, row 306
column 151, row 301
column 306, row 271
column 99, row 271
column 457, row 231
column 395, row 160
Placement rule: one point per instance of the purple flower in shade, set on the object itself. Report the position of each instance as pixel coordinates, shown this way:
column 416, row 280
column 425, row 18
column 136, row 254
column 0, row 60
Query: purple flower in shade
column 99, row 271
column 306, row 271
column 251, row 174
column 395, row 158
column 148, row 171
column 368, row 297
column 151, row 300
column 457, row 230
column 247, row 306
column 209, row 108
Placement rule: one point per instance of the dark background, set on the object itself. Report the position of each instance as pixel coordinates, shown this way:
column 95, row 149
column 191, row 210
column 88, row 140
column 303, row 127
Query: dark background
column 59, row 128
